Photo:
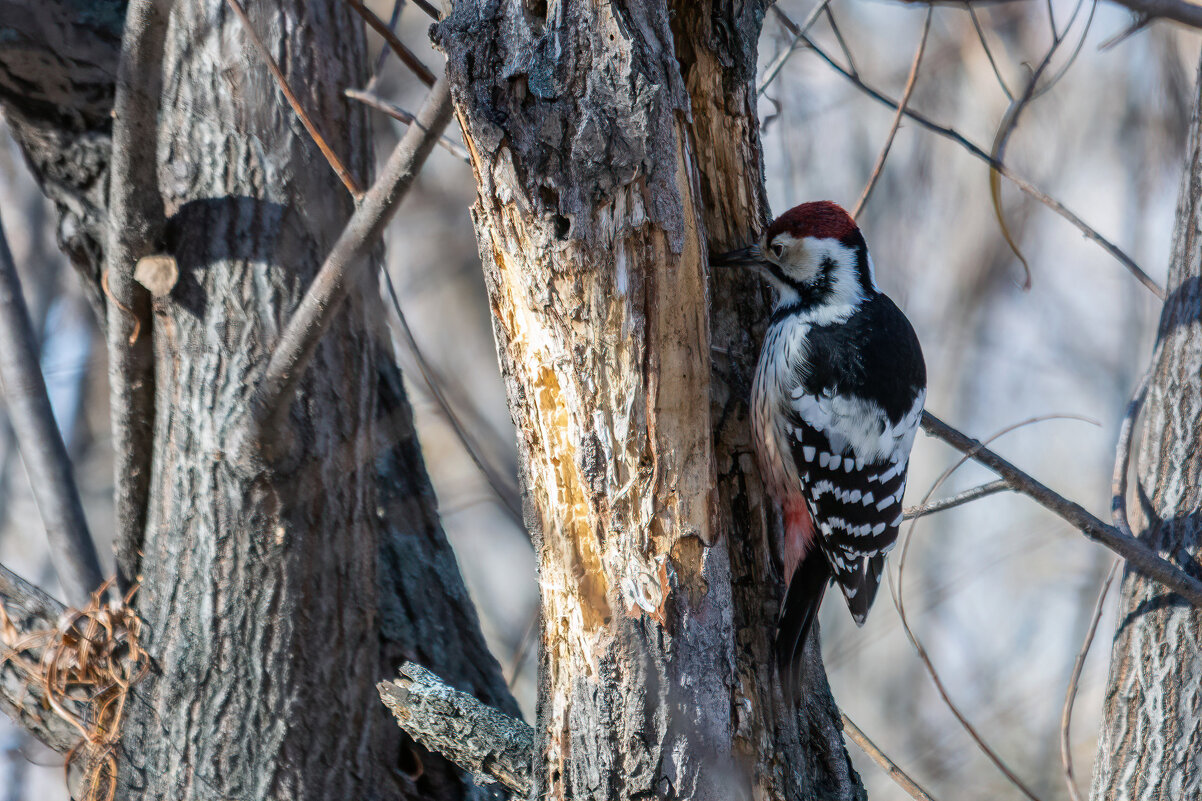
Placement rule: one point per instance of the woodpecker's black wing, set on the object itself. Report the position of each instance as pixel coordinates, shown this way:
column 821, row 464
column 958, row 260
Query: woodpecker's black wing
column 852, row 421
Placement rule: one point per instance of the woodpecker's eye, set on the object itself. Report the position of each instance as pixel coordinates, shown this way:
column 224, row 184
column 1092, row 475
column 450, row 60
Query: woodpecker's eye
column 777, row 249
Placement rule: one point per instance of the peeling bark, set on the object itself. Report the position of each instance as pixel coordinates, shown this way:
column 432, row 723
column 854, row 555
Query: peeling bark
column 605, row 140
column 1152, row 720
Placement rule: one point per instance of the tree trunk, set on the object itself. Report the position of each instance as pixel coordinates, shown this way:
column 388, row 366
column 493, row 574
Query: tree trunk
column 606, row 140
column 274, row 601
column 1152, row 720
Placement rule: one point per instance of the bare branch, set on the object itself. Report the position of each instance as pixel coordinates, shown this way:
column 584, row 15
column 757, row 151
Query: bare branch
column 398, row 113
column 343, row 173
column 1070, row 695
column 41, row 443
column 798, row 34
column 1010, row 123
column 1176, row 10
column 975, row 150
column 899, row 602
column 830, row 18
column 911, row 80
column 25, row 610
column 976, row 23
column 968, row 496
column 899, row 776
column 135, row 229
column 480, row 739
column 509, row 497
column 325, row 295
column 1139, row 555
column 429, row 9
column 407, row 56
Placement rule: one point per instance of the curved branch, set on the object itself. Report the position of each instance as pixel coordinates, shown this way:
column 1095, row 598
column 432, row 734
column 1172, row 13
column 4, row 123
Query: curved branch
column 1019, row 181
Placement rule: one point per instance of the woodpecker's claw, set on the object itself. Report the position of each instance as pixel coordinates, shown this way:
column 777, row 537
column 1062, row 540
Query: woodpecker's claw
column 744, row 257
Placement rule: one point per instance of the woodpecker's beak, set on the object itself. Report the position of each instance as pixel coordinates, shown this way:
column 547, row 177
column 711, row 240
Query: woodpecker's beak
column 744, row 257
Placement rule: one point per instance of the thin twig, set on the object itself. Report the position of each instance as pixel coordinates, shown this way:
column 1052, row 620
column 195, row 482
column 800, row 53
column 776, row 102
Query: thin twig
column 508, row 497
column 1118, row 515
column 340, row 169
column 382, row 59
column 1122, row 457
column 798, row 34
column 899, row 776
column 135, row 228
column 978, row 152
column 830, row 18
column 897, row 592
column 46, row 461
column 1138, row 554
column 325, row 295
column 406, row 55
column 911, row 80
column 976, row 23
column 1070, row 695
column 1008, row 126
column 398, row 113
column 968, row 496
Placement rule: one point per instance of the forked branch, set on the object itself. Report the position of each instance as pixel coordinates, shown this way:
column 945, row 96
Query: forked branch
column 325, row 295
column 974, row 149
column 1139, row 555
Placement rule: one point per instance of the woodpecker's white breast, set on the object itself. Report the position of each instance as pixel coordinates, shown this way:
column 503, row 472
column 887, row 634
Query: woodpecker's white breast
column 777, row 375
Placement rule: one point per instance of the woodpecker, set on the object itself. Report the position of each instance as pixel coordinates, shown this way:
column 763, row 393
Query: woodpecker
column 837, row 397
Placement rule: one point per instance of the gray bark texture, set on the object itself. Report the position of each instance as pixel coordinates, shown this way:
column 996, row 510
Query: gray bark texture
column 1152, row 724
column 274, row 600
column 607, row 140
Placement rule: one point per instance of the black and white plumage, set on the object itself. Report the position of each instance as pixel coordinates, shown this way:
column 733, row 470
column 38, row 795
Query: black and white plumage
column 837, row 398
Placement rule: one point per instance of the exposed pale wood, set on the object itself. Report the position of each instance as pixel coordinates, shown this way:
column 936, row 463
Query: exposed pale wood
column 588, row 131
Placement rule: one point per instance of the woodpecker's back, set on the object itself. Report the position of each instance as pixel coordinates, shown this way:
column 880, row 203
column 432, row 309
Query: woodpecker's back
column 836, row 401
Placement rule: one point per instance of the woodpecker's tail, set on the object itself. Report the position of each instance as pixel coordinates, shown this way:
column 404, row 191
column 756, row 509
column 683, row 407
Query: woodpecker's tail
column 797, row 615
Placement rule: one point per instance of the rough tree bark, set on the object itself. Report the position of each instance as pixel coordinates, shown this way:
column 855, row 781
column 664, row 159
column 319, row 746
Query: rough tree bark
column 1152, row 720
column 606, row 140
column 274, row 601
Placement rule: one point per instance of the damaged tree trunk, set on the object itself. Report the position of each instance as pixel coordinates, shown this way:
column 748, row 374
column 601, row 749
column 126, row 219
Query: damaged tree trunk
column 606, row 141
column 1152, row 719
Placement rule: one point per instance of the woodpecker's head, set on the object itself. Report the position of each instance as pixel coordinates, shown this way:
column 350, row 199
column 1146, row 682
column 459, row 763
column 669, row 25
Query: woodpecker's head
column 813, row 255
